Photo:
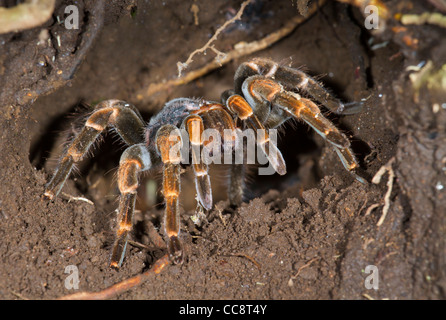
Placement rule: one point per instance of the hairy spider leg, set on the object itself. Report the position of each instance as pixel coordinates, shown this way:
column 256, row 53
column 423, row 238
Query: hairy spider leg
column 195, row 128
column 240, row 107
column 121, row 116
column 237, row 171
column 134, row 160
column 236, row 184
column 168, row 143
column 257, row 89
column 295, row 79
column 217, row 115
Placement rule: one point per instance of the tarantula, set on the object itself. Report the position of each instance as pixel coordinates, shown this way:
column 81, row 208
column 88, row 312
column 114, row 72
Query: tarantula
column 266, row 95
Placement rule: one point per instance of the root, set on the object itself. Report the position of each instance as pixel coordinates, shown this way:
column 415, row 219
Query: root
column 26, row 15
column 130, row 283
column 291, row 282
column 183, row 65
column 240, row 49
column 122, row 286
column 376, row 180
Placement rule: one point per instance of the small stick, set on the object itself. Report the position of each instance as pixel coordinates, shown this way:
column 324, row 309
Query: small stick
column 367, row 296
column 219, row 211
column 370, row 209
column 290, row 282
column 141, row 245
column 122, row 286
column 245, row 256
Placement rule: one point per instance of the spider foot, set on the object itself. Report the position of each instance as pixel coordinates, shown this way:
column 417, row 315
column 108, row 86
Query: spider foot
column 175, row 250
column 351, row 108
column 361, row 176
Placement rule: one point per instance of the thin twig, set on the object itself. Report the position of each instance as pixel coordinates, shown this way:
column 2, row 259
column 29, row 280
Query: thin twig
column 290, row 282
column 122, row 286
column 243, row 255
column 240, row 49
column 220, row 215
column 73, row 198
column 142, row 245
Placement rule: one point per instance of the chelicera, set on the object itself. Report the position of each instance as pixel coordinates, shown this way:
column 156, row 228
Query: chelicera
column 265, row 95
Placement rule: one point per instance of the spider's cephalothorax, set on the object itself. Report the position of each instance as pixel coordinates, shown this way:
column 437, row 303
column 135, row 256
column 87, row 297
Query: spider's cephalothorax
column 266, row 95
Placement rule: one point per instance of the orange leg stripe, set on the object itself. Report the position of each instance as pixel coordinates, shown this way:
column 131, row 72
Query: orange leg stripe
column 207, row 108
column 74, row 154
column 134, row 162
column 224, row 116
column 348, row 159
column 166, row 139
column 200, row 171
column 123, row 227
column 239, row 106
column 127, row 176
column 171, row 193
column 195, row 128
column 165, row 146
column 292, row 105
column 253, row 66
column 171, row 176
column 264, row 88
column 265, row 139
column 99, row 119
column 172, row 217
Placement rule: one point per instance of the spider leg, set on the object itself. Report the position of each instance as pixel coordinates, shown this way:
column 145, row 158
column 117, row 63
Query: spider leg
column 168, row 138
column 293, row 79
column 217, row 116
column 123, row 117
column 194, row 127
column 240, row 107
column 134, row 160
column 236, row 184
column 237, row 172
column 308, row 111
column 258, row 89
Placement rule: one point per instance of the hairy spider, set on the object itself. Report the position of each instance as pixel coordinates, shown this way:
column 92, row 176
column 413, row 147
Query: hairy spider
column 266, row 95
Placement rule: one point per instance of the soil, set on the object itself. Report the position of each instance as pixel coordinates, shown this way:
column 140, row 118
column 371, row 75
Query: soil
column 308, row 235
